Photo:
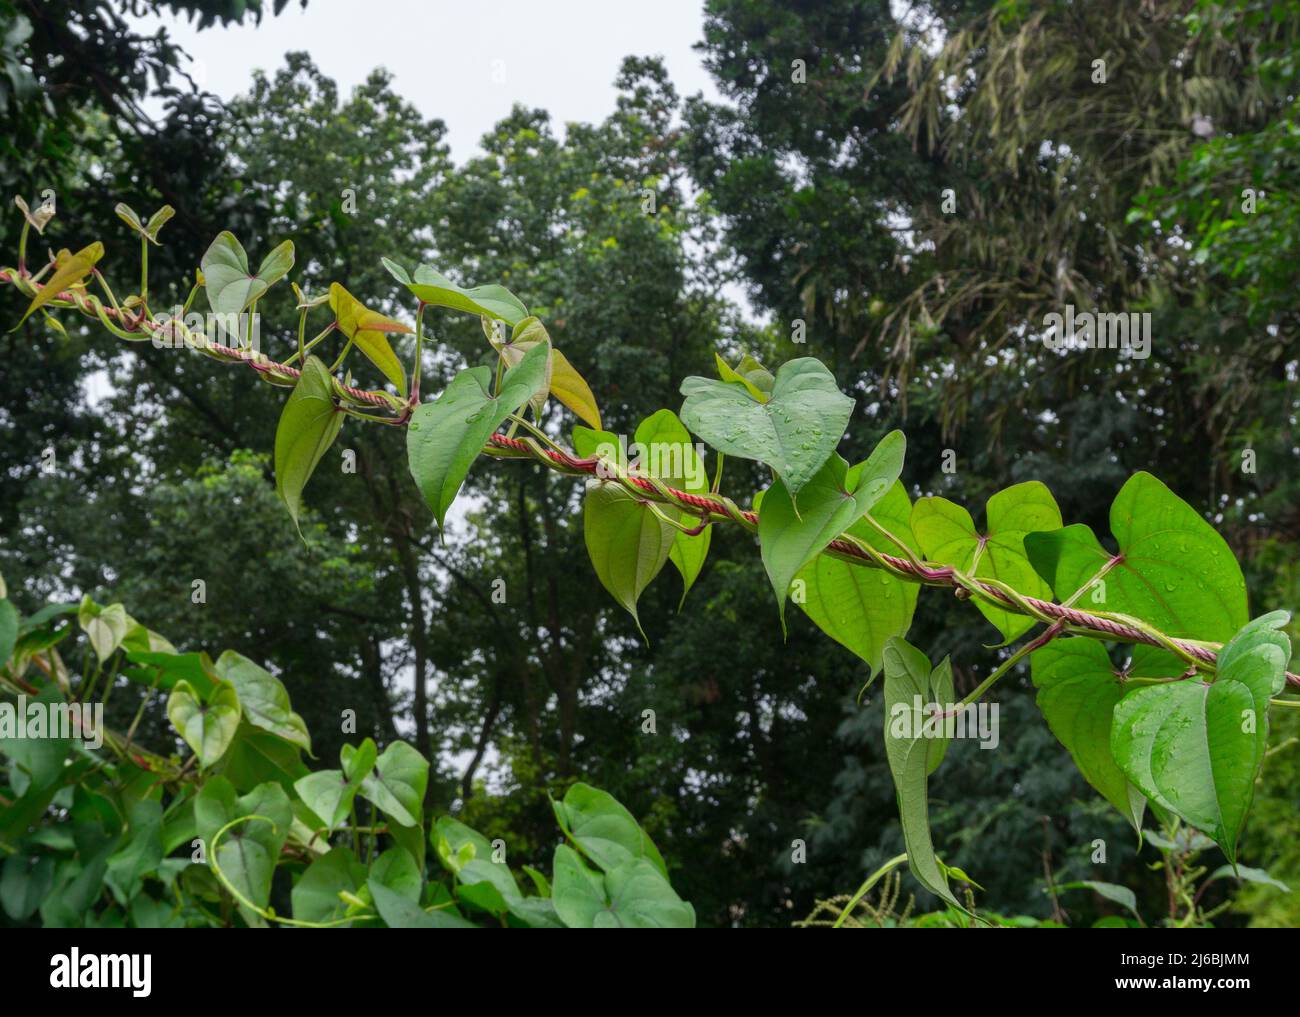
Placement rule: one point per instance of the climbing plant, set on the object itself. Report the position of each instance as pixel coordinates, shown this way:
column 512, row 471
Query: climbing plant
column 1176, row 724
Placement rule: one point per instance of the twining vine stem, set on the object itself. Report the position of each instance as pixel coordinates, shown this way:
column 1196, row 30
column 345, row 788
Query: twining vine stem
column 1061, row 619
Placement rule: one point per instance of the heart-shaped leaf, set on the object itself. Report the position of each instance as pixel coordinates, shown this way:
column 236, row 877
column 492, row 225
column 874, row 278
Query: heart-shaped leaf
column 861, row 608
column 105, row 627
column 263, row 699
column 1172, row 570
column 147, row 230
column 833, row 500
column 369, row 330
column 397, row 782
column 1077, row 692
column 315, row 896
column 634, row 895
column 794, row 432
column 69, row 271
column 308, row 426
column 672, row 458
column 247, row 853
column 229, row 283
column 446, row 436
column 434, row 288
column 627, row 543
column 604, row 829
column 329, row 793
column 1195, row 748
column 207, row 726
column 947, row 535
column 398, row 912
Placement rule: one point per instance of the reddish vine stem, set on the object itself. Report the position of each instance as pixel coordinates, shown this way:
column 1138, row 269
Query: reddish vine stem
column 709, row 508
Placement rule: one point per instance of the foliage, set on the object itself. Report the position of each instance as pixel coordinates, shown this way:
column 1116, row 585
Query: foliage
column 1188, row 731
column 99, row 831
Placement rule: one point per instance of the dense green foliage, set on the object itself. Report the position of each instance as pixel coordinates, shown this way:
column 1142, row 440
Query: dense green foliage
column 490, row 645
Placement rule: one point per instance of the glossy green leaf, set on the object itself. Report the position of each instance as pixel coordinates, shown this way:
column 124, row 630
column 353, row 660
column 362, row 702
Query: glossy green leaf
column 604, row 829
column 232, row 287
column 634, row 895
column 434, row 288
column 308, row 426
column 1172, row 569
column 315, row 897
column 1195, row 748
column 262, row 698
column 907, row 681
column 947, row 535
column 247, row 852
column 794, row 432
column 833, row 500
column 207, row 725
column 861, row 608
column 446, row 436
column 329, row 793
column 1077, row 692
column 400, row 913
column 140, row 853
column 627, row 543
column 397, row 782
column 40, row 758
column 675, row 461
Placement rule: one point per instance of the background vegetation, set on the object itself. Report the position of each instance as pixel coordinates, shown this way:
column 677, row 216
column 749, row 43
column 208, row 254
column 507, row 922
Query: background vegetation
column 822, row 199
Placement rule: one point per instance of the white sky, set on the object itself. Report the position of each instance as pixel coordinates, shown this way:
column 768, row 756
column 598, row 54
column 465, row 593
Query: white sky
column 465, row 62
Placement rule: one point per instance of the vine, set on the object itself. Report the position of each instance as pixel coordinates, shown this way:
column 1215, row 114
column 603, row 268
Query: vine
column 1182, row 727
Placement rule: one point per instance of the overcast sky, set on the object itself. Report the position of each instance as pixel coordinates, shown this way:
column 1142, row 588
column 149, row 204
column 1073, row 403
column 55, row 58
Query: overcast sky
column 466, row 62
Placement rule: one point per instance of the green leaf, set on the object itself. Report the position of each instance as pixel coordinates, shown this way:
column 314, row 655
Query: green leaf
column 1172, row 570
column 369, row 331
column 256, row 756
column 69, row 271
column 446, row 436
column 674, row 460
column 24, row 883
column 749, row 372
column 398, row 912
column 833, row 500
column 315, row 897
column 466, row 853
column 248, row 852
column 1120, row 895
column 41, row 759
column 1077, row 692
column 208, row 726
column 437, row 289
column 397, row 782
column 947, row 535
column 1196, row 748
column 8, row 630
column 141, row 852
column 230, row 285
column 861, row 608
column 635, row 895
column 156, row 221
column 1248, row 875
column 398, row 871
column 627, row 543
column 329, row 793
column 262, row 698
column 907, row 679
column 106, row 627
column 308, row 426
column 794, row 432
column 603, row 829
